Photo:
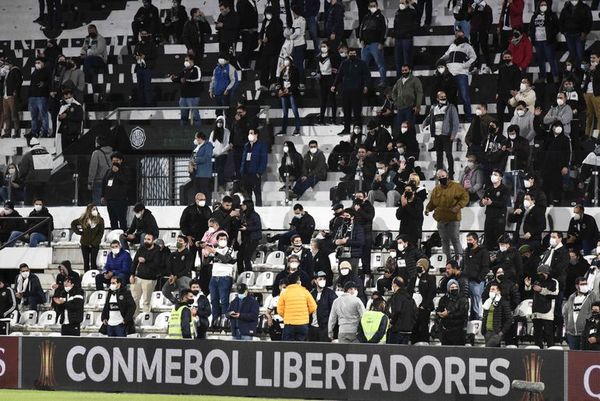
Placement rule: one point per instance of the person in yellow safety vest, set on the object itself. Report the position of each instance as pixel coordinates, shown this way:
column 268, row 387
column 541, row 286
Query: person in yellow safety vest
column 181, row 324
column 374, row 324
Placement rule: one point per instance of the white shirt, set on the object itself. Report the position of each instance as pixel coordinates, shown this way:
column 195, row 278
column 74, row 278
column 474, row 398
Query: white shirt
column 114, row 315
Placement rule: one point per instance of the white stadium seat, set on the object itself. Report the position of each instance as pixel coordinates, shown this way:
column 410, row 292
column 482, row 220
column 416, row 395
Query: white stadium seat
column 29, row 318
column 97, row 299
column 113, row 235
column 158, row 300
column 264, row 280
column 259, row 257
column 144, row 320
column 333, row 262
column 88, row 281
column 438, row 261
column 162, row 320
column 101, row 258
column 246, row 278
column 89, row 319
column 275, row 260
column 47, row 318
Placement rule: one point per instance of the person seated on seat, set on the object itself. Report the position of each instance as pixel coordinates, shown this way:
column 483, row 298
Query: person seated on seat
column 28, row 289
column 118, row 264
column 9, row 221
column 303, row 225
column 143, row 223
column 38, row 234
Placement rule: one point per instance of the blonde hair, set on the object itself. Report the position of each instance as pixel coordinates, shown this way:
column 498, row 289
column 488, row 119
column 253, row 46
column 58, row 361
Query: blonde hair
column 415, row 178
column 86, row 217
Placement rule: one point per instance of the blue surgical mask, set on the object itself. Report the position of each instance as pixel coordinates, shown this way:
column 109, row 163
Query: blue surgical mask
column 241, row 296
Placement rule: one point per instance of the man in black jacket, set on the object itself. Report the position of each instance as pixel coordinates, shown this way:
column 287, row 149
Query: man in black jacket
column 39, row 91
column 145, row 56
column 303, row 225
column 72, row 315
column 454, row 272
column 349, row 239
column 476, row 265
column 194, row 219
column 304, row 255
column 402, row 311
column 373, row 31
column 41, row 233
column 575, row 23
column 324, row 296
column 28, row 289
column 444, row 81
column 190, row 80
column 509, row 79
column 406, row 23
column 9, row 221
column 423, row 290
column 360, row 167
column 583, row 230
column 143, row 223
column 509, row 259
column 591, row 78
column 365, row 214
column 495, row 199
column 545, row 290
column 175, row 20
column 248, row 25
column 195, row 32
column 518, row 147
column 270, row 40
column 557, row 257
column 406, row 259
column 200, row 310
column 146, row 268
column 114, row 192
column 224, row 214
column 241, row 125
column 531, row 222
column 70, row 119
column 119, row 309
column 227, row 26
column 8, row 304
column 147, row 17
column 590, row 338
column 13, row 81
column 497, row 317
column 180, row 264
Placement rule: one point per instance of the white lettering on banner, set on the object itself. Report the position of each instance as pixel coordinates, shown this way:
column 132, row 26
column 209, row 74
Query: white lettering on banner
column 475, row 376
column 500, row 377
column 208, row 368
column 236, row 380
column 2, row 363
column 76, row 350
column 376, row 375
column 89, row 364
column 356, row 359
column 437, row 377
column 586, row 381
column 155, row 368
column 455, row 377
column 276, row 369
column 171, row 366
column 192, row 362
column 292, row 366
column 408, row 378
column 334, row 373
column 119, row 364
column 312, row 370
column 260, row 381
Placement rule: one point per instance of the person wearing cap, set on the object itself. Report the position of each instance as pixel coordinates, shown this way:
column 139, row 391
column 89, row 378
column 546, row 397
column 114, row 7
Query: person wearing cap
column 9, row 221
column 453, row 312
column 531, row 222
column 590, row 338
column 374, row 324
column 545, row 290
column 423, row 290
column 348, row 275
column 223, row 82
column 8, row 304
column 324, row 297
column 349, row 239
column 296, row 305
column 147, row 266
column 292, row 266
column 447, row 199
column 454, row 272
column 476, row 265
column 346, row 312
column 39, row 92
column 38, row 234
column 35, row 168
column 243, row 314
column 142, row 223
column 582, row 233
column 497, row 317
column 508, row 258
column 402, row 310
column 72, row 301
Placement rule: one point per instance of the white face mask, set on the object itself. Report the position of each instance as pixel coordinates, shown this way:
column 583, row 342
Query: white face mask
column 37, row 208
column 401, row 247
column 343, row 54
column 25, row 274
column 268, row 17
column 470, row 165
column 392, row 254
column 201, row 203
column 294, row 266
column 402, row 6
column 251, row 138
column 187, row 64
column 286, row 149
column 584, row 289
column 576, row 216
column 512, row 136
column 286, row 62
column 219, row 125
column 313, row 150
column 478, row 112
column 492, row 295
column 138, row 215
column 543, row 9
column 357, row 130
column 522, row 87
column 598, row 250
column 353, row 293
column 324, row 50
column 527, row 203
column 527, row 184
column 115, row 251
column 67, row 289
column 344, row 272
column 381, row 171
column 553, row 242
column 503, row 248
column 558, row 130
column 404, row 130
column 321, row 283
column 69, row 100
column 339, row 293
column 495, row 179
column 560, row 102
column 221, row 61
column 520, row 113
column 11, row 171
column 113, row 287
column 574, row 2
column 211, row 229
column 373, row 9
column 95, row 213
column 196, row 142
column 38, row 66
column 222, row 243
column 441, row 70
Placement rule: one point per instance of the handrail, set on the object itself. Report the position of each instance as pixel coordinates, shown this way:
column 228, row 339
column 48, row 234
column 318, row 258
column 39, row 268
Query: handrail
column 29, row 230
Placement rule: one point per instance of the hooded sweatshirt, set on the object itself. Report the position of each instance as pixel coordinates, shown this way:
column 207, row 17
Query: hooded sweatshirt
column 220, row 147
column 223, row 79
column 459, row 57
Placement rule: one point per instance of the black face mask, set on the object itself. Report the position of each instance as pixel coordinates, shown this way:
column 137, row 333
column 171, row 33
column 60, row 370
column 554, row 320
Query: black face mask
column 408, row 195
column 348, row 220
column 358, row 201
column 507, row 61
column 190, row 302
column 454, row 292
column 500, row 277
column 444, row 181
column 353, row 57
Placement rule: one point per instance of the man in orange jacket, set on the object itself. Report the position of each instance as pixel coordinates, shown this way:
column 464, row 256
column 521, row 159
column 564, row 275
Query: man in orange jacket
column 296, row 306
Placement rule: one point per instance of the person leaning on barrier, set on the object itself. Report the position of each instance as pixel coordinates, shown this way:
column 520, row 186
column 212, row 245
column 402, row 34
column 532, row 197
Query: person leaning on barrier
column 119, row 309
column 374, row 324
column 181, row 322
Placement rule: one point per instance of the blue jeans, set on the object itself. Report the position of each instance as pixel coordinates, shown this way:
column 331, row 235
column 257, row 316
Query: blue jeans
column 238, row 336
column 144, row 87
column 38, row 107
column 298, row 55
column 222, row 100
column 476, row 289
column 574, row 342
column 575, row 46
column 116, row 331
column 286, row 103
column 96, row 193
column 462, row 81
column 219, row 288
column 544, row 52
column 185, row 113
column 402, row 54
column 372, row 51
column 466, row 27
column 293, row 332
column 397, row 338
column 311, row 27
column 34, row 239
column 301, row 186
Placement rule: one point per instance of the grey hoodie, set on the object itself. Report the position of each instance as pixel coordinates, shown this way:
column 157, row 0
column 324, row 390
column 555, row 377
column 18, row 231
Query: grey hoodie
column 346, row 311
column 576, row 327
column 99, row 164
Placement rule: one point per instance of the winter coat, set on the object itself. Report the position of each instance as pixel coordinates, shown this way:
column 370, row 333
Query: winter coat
column 476, row 264
column 126, row 306
column 563, row 113
column 575, row 327
column 36, row 165
column 153, row 266
column 258, row 161
column 45, row 228
column 481, row 18
column 548, row 21
column 402, row 311
column 315, row 165
column 73, row 306
column 229, row 32
column 443, row 199
column 411, row 219
column 346, row 312
column 528, row 96
column 119, row 184
column 40, row 83
column 459, row 57
column 223, row 79
column 203, row 160
column 195, row 33
column 146, row 224
column 194, row 221
column 335, row 20
column 543, row 301
column 447, row 83
column 94, row 47
column 248, row 308
column 181, row 264
column 119, row 264
column 89, row 236
column 409, row 93
column 522, row 52
column 525, row 124
column 100, row 163
column 502, row 319
column 458, row 311
column 509, row 79
column 296, row 305
column 477, row 181
column 405, row 23
column 450, row 124
column 576, row 19
column 426, row 289
column 324, row 305
column 273, row 32
column 192, row 87
column 220, row 147
column 373, row 28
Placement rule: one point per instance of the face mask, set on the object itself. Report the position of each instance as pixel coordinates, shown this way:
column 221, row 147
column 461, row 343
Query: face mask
column 520, row 113
column 454, row 291
column 187, row 64
column 568, row 88
column 478, row 112
column 179, row 245
column 401, row 247
column 507, row 61
column 492, row 295
column 357, row 131
column 402, row 6
column 343, row 54
column 594, row 63
column 553, row 242
column 500, row 277
column 69, row 100
column 527, row 203
column 392, row 254
column 286, row 149
column 543, row 9
column 404, row 130
column 211, row 229
column 294, row 266
column 523, row 87
column 503, row 248
column 241, row 296
column 201, row 203
column 441, row 70
column 373, row 9
column 353, row 57
column 400, row 150
column 38, row 66
column 512, row 136
column 251, row 138
column 321, row 283
column 381, row 171
column 339, row 293
column 560, row 102
column 313, row 150
column 583, row 66
column 324, row 50
column 527, row 184
column 442, row 101
column 268, row 17
column 286, row 63
column 37, row 208
column 558, row 130
column 115, row 251
column 470, row 165
column 574, row 2
column 443, row 181
column 25, row 274
column 344, row 272
column 495, row 179
column 11, row 171
column 113, row 287
column 222, row 61
column 222, row 243
column 95, row 213
column 138, row 215
column 576, row 216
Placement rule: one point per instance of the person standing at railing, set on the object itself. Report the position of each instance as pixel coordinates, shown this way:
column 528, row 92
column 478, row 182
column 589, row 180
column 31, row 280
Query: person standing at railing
column 90, row 226
column 39, row 234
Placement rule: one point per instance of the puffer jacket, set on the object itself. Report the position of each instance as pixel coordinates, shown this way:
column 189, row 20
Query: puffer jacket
column 543, row 301
column 502, row 319
column 459, row 57
column 296, row 305
column 575, row 327
column 402, row 311
column 444, row 199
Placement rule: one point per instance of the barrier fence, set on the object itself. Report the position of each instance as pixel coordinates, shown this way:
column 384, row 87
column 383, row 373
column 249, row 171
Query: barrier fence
column 290, row 370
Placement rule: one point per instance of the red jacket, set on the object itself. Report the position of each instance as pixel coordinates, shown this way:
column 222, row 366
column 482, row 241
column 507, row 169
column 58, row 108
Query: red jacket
column 522, row 53
column 515, row 14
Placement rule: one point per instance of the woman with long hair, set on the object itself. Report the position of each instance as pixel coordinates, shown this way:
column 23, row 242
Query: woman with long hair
column 90, row 226
column 287, row 90
column 219, row 138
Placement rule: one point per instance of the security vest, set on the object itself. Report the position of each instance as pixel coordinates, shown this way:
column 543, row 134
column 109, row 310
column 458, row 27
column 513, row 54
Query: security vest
column 370, row 322
column 175, row 323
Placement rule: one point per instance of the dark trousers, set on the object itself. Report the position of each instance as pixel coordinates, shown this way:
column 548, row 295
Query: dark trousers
column 249, row 40
column 293, row 332
column 318, row 334
column 202, row 184
column 227, row 47
column 398, row 338
column 442, row 144
column 427, row 6
column 267, row 65
column 420, row 332
column 245, row 253
column 252, row 183
column 493, row 228
column 327, row 97
column 352, row 103
column 89, row 252
column 481, row 47
column 543, row 330
column 301, row 186
column 116, row 331
column 366, row 253
column 117, row 213
column 70, row 330
column 502, row 104
column 144, row 87
column 453, row 336
column 54, row 8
